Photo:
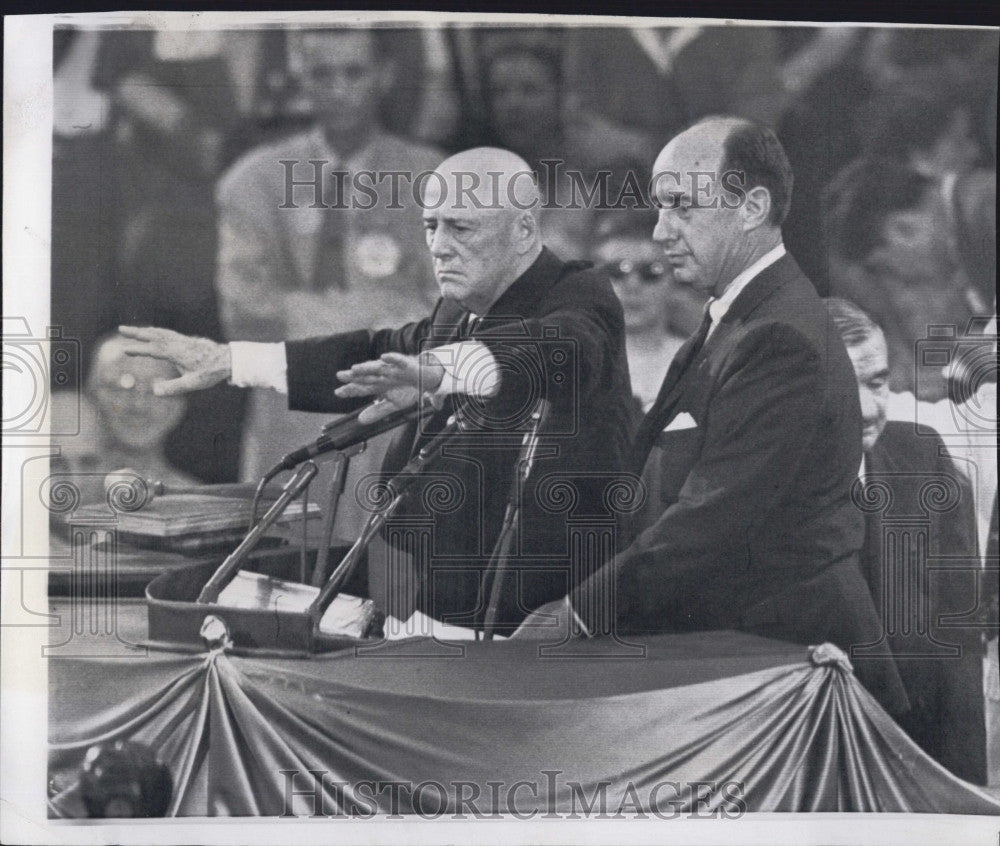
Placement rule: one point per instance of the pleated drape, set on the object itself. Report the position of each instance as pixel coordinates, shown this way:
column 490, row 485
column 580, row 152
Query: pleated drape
column 785, row 735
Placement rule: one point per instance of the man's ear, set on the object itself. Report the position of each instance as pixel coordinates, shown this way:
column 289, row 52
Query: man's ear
column 756, row 208
column 526, row 231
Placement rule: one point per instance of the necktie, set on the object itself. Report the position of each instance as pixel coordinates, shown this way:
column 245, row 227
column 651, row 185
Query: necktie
column 471, row 325
column 701, row 335
column 330, row 269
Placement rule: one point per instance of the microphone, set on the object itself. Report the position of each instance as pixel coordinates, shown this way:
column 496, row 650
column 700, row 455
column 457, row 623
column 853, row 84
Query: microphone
column 342, row 434
column 529, row 447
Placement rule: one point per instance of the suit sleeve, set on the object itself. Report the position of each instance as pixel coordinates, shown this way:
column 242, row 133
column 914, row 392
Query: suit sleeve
column 565, row 356
column 313, row 363
column 760, row 423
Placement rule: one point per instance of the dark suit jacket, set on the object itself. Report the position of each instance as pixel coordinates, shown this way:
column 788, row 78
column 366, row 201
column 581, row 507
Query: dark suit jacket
column 756, row 529
column 920, row 561
column 557, row 332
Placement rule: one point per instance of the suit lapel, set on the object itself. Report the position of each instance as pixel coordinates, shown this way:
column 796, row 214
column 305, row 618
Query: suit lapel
column 686, row 361
column 666, row 401
column 449, row 318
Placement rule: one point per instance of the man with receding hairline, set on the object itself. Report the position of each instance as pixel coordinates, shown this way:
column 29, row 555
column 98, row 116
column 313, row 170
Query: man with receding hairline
column 514, row 324
column 754, row 438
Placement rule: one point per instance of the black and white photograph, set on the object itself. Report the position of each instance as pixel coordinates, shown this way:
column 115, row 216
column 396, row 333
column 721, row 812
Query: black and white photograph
column 445, row 427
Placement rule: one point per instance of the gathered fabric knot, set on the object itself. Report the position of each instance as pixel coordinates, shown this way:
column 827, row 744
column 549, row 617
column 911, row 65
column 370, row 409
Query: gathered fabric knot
column 215, row 633
column 826, row 654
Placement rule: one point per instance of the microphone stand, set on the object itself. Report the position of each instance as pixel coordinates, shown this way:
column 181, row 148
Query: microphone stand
column 399, row 486
column 229, row 567
column 341, row 462
column 511, row 517
column 335, row 432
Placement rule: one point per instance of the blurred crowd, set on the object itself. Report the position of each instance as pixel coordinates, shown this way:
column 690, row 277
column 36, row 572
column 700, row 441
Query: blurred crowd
column 166, row 193
column 162, row 140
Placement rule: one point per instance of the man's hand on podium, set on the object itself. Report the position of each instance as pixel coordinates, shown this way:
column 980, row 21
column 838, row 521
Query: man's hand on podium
column 555, row 621
column 201, row 362
column 396, row 380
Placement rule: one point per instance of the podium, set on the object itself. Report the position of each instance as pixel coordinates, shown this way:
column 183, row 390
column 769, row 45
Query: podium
column 175, row 617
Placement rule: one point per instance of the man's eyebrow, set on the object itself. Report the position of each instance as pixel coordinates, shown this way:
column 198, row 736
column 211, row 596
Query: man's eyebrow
column 464, row 220
column 677, row 197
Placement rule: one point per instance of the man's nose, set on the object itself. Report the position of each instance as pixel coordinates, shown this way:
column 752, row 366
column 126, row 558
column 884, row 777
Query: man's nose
column 869, row 405
column 664, row 232
column 440, row 245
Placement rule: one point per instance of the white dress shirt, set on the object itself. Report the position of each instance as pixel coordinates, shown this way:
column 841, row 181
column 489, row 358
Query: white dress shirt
column 717, row 308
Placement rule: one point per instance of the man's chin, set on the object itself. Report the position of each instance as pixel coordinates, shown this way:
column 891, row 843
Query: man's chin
column 870, row 437
column 687, row 277
column 451, row 289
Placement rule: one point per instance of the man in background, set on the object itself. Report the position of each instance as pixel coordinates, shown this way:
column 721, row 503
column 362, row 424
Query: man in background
column 891, row 252
column 289, row 268
column 568, row 149
column 122, row 423
column 940, row 664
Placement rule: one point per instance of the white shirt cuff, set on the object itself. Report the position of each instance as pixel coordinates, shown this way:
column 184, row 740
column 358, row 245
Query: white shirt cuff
column 256, row 365
column 469, row 368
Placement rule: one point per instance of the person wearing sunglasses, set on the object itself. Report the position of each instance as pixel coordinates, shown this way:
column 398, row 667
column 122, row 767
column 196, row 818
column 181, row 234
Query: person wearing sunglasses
column 656, row 309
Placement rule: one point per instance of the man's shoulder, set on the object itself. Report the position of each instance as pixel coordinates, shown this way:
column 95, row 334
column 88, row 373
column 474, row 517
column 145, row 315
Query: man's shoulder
column 788, row 305
column 266, row 156
column 261, row 169
column 581, row 281
column 916, row 450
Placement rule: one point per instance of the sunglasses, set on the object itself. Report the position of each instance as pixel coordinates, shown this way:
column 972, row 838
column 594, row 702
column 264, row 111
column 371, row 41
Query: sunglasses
column 649, row 272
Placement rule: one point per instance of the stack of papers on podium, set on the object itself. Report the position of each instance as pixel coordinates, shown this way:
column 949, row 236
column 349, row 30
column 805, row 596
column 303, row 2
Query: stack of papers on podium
column 347, row 615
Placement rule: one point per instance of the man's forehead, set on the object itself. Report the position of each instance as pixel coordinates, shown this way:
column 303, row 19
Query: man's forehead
column 870, row 356
column 690, row 152
column 447, row 211
column 468, row 196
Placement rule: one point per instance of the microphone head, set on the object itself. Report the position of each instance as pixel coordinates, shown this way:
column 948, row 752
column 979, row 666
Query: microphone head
column 341, row 421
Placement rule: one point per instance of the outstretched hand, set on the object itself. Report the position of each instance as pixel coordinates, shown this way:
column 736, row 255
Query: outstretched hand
column 396, row 381
column 201, row 362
